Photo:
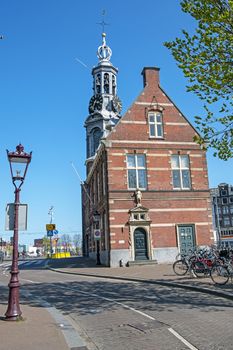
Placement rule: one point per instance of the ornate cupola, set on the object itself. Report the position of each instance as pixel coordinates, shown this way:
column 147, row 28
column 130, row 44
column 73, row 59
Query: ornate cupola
column 104, row 106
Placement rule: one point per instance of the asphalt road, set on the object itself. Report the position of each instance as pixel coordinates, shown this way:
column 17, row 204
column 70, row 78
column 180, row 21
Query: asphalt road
column 116, row 315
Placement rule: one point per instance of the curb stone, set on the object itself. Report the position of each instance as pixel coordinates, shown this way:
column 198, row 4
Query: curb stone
column 71, row 335
column 158, row 282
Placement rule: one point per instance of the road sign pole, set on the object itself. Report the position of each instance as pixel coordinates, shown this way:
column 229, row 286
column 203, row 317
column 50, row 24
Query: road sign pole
column 97, row 237
column 51, row 248
column 98, row 262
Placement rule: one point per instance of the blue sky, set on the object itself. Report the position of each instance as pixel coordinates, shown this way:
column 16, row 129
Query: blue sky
column 45, row 91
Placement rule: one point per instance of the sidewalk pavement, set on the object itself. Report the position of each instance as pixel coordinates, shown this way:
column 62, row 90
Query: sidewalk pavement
column 38, row 331
column 42, row 328
column 154, row 274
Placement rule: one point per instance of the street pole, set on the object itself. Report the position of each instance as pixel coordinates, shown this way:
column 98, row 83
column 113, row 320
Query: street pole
column 50, row 213
column 96, row 217
column 98, row 262
column 51, row 248
column 13, row 311
column 20, row 160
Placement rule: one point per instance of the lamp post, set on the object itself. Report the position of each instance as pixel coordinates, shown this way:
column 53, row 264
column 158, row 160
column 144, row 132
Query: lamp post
column 19, row 161
column 96, row 217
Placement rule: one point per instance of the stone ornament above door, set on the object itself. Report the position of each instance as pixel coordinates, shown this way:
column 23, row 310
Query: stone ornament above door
column 139, row 215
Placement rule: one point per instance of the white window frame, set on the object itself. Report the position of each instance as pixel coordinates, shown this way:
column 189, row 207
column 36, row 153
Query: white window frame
column 181, row 168
column 225, row 209
column 226, row 221
column 136, row 168
column 155, row 124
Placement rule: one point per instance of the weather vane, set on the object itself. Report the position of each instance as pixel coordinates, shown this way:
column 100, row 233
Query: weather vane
column 103, row 23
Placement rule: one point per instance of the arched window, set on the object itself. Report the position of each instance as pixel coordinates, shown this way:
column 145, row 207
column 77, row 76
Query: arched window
column 96, row 136
column 106, row 83
column 98, row 83
column 113, row 85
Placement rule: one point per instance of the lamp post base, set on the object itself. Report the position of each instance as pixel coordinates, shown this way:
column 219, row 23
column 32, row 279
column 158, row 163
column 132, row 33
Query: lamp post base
column 13, row 312
column 13, row 318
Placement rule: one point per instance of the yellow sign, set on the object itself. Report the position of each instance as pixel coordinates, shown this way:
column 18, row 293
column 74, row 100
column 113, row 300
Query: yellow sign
column 50, row 227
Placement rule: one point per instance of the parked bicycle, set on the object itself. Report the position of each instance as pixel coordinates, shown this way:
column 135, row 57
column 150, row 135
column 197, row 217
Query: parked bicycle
column 198, row 262
column 221, row 273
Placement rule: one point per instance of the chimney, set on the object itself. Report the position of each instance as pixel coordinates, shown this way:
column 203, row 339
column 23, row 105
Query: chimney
column 150, row 76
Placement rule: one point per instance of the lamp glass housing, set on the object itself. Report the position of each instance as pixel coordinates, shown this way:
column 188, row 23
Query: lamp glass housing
column 19, row 167
column 19, row 161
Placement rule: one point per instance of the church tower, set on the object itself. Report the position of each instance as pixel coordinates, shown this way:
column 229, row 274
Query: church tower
column 147, row 180
column 104, row 106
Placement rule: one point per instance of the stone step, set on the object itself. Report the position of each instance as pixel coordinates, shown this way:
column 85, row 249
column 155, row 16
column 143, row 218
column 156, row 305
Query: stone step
column 142, row 262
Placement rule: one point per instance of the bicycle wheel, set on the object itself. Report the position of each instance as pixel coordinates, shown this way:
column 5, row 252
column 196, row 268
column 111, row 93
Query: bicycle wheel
column 219, row 275
column 180, row 267
column 199, row 268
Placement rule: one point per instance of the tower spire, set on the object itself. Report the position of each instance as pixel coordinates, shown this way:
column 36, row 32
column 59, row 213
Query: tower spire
column 104, row 106
column 104, row 52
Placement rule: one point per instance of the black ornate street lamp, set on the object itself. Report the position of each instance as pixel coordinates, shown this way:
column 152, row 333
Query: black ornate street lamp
column 19, row 161
column 96, row 217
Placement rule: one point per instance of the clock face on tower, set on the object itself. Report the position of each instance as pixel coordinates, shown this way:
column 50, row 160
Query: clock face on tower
column 95, row 103
column 116, row 104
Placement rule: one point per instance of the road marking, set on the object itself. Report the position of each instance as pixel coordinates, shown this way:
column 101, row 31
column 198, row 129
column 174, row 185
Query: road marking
column 171, row 330
column 23, row 279
column 177, row 335
column 124, row 305
column 25, row 263
column 38, row 262
column 6, row 265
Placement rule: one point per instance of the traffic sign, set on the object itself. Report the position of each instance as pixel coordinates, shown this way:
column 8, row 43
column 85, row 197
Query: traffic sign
column 10, row 217
column 50, row 227
column 55, row 232
column 49, row 233
column 97, row 235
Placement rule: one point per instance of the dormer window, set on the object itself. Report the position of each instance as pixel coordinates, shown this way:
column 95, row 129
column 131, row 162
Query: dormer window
column 155, row 124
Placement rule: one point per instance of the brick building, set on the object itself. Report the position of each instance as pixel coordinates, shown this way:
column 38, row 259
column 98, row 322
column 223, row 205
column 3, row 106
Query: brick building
column 145, row 176
column 222, row 207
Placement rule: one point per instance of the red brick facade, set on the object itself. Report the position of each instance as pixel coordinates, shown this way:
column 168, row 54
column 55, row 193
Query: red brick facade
column 166, row 217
